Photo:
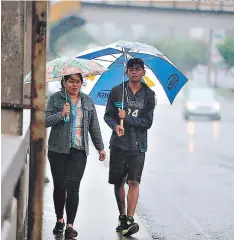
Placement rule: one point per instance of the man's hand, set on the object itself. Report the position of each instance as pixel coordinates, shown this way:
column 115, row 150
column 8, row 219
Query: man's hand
column 119, row 130
column 102, row 155
column 122, row 114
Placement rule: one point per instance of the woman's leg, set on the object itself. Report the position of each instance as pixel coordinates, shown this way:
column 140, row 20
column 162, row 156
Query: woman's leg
column 59, row 203
column 57, row 165
column 74, row 173
column 72, row 203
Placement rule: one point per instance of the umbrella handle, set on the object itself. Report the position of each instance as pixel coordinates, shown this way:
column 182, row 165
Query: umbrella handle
column 122, row 124
column 66, row 119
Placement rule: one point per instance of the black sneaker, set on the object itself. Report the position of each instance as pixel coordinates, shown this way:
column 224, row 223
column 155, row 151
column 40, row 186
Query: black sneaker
column 58, row 229
column 122, row 222
column 130, row 227
column 70, row 233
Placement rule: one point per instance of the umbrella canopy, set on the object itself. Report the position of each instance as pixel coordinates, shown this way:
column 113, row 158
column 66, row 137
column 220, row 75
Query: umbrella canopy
column 60, row 67
column 116, row 56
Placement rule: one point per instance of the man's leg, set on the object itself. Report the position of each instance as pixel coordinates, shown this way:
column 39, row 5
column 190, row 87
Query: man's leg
column 120, row 198
column 135, row 168
column 116, row 175
column 133, row 195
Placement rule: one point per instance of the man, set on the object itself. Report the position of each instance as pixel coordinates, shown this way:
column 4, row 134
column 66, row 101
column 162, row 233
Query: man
column 129, row 144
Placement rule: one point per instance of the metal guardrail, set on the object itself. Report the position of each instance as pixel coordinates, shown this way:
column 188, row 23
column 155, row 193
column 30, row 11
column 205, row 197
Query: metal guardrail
column 15, row 164
column 217, row 6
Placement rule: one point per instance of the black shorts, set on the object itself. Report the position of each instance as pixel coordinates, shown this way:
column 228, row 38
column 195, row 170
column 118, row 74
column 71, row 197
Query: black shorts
column 125, row 165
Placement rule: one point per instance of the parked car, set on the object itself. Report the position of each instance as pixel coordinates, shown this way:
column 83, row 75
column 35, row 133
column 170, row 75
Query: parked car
column 202, row 102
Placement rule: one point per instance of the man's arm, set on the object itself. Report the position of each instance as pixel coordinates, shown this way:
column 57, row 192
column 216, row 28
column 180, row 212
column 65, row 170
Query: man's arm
column 51, row 117
column 110, row 113
column 95, row 131
column 146, row 120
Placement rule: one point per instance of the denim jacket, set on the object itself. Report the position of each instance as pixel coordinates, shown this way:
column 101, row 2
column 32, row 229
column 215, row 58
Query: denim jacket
column 60, row 135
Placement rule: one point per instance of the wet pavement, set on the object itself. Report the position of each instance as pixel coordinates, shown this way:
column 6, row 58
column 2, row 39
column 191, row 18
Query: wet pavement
column 187, row 184
column 97, row 215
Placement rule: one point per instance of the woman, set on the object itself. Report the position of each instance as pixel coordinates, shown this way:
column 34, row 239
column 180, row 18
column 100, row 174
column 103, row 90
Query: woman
column 68, row 146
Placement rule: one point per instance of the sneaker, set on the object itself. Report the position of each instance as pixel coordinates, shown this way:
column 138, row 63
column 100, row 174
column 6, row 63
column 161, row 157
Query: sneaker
column 130, row 227
column 122, row 222
column 58, row 229
column 70, row 233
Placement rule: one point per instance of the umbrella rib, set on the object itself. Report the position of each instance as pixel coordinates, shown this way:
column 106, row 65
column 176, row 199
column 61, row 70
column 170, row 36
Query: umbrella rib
column 116, row 58
column 132, row 56
column 161, row 57
column 103, row 60
column 150, row 68
column 101, row 75
column 151, row 57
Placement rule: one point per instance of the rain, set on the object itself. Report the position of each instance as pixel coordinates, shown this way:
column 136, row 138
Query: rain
column 186, row 190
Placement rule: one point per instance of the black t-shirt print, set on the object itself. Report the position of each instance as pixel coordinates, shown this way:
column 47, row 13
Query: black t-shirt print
column 135, row 103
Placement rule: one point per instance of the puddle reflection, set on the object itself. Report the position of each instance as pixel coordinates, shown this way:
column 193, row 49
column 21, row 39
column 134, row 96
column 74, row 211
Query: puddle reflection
column 191, row 145
column 190, row 128
column 216, row 130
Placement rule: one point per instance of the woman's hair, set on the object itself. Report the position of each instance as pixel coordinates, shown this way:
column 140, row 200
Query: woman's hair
column 65, row 78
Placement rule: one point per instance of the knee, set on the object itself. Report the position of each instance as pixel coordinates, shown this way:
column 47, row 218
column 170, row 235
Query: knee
column 118, row 185
column 59, row 187
column 73, row 190
column 133, row 184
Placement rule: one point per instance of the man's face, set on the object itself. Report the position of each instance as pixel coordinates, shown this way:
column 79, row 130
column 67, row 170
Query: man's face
column 135, row 73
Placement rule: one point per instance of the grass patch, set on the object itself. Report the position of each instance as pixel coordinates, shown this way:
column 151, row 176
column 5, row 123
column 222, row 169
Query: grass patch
column 227, row 93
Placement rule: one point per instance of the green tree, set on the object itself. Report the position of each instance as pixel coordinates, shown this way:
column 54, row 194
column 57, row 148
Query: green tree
column 226, row 49
column 185, row 54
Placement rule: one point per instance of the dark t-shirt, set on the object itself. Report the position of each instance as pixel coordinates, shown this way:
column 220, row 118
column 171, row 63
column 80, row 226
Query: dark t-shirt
column 135, row 104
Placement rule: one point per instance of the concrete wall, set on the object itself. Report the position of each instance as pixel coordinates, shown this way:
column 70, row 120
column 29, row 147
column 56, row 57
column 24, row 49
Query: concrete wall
column 12, row 64
column 27, row 49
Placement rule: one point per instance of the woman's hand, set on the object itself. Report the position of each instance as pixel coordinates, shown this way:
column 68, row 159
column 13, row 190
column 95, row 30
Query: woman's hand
column 66, row 109
column 102, row 155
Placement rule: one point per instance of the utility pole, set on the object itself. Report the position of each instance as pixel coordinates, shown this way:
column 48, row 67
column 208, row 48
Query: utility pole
column 37, row 126
column 209, row 63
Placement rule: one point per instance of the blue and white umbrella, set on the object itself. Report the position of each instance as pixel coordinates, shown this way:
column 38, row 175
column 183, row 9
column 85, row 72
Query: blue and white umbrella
column 116, row 55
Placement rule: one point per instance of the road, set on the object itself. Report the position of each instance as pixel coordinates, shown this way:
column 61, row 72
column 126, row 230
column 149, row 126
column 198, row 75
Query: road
column 187, row 186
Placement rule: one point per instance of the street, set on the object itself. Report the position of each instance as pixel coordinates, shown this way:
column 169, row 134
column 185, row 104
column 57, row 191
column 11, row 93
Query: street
column 187, row 184
column 184, row 52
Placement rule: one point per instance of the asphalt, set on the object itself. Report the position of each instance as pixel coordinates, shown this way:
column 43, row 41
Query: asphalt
column 97, row 215
column 188, row 179
column 187, row 184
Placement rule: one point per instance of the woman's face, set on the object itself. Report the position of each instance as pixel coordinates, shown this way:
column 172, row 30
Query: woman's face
column 73, row 84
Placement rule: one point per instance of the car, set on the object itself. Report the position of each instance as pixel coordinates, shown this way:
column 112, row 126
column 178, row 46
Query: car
column 202, row 102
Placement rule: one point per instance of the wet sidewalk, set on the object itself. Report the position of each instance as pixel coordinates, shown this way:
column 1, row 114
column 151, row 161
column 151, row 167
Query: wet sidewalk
column 97, row 215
